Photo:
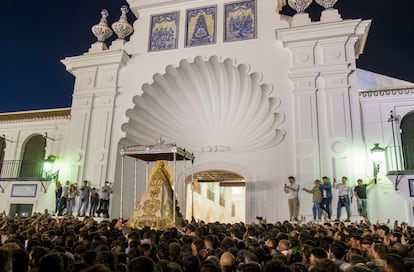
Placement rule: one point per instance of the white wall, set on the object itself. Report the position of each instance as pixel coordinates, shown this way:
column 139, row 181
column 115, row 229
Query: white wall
column 19, row 132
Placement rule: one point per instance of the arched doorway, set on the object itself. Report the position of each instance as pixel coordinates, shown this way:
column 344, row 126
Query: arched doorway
column 216, row 195
column 407, row 138
column 33, row 157
column 2, row 149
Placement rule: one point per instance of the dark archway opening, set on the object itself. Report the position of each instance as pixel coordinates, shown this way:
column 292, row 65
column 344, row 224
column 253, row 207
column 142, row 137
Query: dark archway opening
column 33, row 157
column 407, row 139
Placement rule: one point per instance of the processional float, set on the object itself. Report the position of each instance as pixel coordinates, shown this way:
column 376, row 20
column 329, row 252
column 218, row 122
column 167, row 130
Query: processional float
column 158, row 207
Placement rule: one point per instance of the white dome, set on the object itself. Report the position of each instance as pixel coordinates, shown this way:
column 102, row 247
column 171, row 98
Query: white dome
column 207, row 106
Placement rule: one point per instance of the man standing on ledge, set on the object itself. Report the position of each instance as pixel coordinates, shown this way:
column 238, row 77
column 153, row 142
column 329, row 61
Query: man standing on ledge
column 360, row 192
column 104, row 202
column 326, row 189
column 344, row 198
column 85, row 191
column 292, row 190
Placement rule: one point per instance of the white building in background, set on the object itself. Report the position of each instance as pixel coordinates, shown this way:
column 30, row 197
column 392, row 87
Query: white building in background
column 256, row 96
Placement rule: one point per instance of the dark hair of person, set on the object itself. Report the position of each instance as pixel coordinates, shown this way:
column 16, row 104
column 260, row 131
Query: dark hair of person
column 20, row 260
column 190, row 263
column 381, row 249
column 106, row 258
column 121, row 257
column 121, row 267
column 275, row 265
column 5, row 261
column 395, row 262
column 97, row 268
column 337, row 250
column 399, row 249
column 51, row 262
column 37, row 253
column 306, row 251
column 32, row 243
column 46, row 242
column 259, row 252
column 281, row 258
column 355, row 259
column 174, row 249
column 135, row 244
column 250, row 267
column 298, row 267
column 162, row 251
column 213, row 239
column 133, row 236
column 319, row 253
column 199, row 243
column 360, row 267
column 141, row 263
column 325, row 265
column 90, row 257
column 208, row 266
column 325, row 241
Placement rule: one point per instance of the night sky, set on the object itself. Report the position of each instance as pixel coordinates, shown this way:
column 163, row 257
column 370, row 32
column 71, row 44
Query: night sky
column 38, row 34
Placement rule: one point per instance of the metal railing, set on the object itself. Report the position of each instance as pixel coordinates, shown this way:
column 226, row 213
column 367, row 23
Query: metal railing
column 21, row 170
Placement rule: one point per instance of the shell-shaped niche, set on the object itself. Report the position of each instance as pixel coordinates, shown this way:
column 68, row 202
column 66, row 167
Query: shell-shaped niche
column 207, row 106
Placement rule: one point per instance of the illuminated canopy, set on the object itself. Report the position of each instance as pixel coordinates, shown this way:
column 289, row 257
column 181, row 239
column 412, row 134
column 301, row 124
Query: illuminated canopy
column 161, row 151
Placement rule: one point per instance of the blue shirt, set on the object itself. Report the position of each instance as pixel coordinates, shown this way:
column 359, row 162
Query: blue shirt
column 326, row 189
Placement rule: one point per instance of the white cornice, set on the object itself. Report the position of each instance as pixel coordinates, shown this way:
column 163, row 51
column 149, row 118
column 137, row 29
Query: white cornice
column 138, row 5
column 387, row 92
column 35, row 111
column 318, row 31
column 107, row 57
column 35, row 115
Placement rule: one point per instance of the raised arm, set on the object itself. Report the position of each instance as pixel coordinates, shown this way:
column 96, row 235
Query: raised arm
column 307, row 190
column 371, row 182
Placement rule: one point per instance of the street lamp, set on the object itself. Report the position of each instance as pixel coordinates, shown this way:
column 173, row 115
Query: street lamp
column 377, row 158
column 48, row 166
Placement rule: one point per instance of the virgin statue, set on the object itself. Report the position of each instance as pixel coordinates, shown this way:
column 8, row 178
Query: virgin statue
column 155, row 208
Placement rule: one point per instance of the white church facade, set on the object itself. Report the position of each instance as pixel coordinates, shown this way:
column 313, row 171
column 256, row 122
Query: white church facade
column 255, row 95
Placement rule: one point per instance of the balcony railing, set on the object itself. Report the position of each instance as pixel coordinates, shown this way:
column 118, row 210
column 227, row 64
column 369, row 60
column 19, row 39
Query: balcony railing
column 395, row 163
column 22, row 170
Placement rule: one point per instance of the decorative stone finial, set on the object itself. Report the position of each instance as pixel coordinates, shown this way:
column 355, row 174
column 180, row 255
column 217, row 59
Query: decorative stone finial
column 299, row 5
column 101, row 30
column 122, row 28
column 327, row 4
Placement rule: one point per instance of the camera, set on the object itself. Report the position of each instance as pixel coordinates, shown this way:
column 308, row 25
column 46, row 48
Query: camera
column 259, row 218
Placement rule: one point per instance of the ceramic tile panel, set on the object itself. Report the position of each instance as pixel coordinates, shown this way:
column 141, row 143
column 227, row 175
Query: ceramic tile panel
column 201, row 26
column 240, row 22
column 164, row 31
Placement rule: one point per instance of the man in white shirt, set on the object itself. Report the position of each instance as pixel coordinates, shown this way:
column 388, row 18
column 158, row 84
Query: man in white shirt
column 344, row 198
column 292, row 190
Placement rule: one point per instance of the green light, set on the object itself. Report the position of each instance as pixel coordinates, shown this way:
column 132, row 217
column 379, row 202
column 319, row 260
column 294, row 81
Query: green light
column 48, row 163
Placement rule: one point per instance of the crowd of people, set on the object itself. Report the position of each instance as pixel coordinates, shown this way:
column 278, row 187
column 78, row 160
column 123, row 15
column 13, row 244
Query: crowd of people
column 68, row 244
column 322, row 198
column 91, row 201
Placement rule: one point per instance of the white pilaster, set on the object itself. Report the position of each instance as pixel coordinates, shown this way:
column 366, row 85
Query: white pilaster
column 323, row 56
column 95, row 91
